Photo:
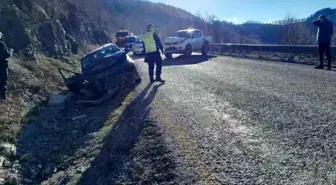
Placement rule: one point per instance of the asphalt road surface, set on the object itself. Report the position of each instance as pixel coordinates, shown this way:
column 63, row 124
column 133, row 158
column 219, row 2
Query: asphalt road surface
column 223, row 120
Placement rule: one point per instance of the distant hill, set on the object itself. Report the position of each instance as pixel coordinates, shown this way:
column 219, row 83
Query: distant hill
column 271, row 33
column 135, row 15
column 61, row 27
column 328, row 12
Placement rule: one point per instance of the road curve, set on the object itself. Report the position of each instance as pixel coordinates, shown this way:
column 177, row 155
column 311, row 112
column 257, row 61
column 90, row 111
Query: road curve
column 223, row 120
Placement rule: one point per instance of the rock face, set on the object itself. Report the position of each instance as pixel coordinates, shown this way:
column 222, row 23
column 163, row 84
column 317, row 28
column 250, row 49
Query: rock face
column 7, row 150
column 30, row 26
column 12, row 25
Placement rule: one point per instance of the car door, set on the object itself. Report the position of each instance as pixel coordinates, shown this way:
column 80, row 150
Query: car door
column 194, row 40
column 198, row 40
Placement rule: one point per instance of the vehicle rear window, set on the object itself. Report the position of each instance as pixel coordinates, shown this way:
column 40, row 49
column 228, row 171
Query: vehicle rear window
column 121, row 34
column 130, row 39
column 99, row 54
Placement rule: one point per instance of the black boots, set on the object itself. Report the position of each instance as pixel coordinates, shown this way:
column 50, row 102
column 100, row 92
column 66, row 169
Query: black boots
column 158, row 79
column 329, row 65
column 322, row 67
column 151, row 79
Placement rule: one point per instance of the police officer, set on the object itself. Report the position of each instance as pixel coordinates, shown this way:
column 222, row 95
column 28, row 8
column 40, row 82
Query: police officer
column 4, row 55
column 153, row 46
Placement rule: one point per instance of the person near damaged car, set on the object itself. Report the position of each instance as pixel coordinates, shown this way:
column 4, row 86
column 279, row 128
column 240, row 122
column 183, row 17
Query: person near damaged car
column 153, row 46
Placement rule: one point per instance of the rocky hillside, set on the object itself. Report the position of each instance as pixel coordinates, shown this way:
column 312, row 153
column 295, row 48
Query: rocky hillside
column 57, row 28
column 32, row 26
column 62, row 27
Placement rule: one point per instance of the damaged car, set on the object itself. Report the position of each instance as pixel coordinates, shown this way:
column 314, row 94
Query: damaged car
column 104, row 71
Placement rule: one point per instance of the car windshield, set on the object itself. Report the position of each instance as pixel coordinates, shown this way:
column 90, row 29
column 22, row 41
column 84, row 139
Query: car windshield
column 130, row 39
column 121, row 34
column 182, row 34
column 99, row 54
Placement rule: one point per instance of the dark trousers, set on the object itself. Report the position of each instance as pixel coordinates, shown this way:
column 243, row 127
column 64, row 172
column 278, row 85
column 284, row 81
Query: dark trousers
column 3, row 82
column 324, row 48
column 154, row 59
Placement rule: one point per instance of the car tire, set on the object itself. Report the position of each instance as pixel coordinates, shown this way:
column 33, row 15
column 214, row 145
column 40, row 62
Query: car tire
column 169, row 55
column 188, row 50
column 205, row 49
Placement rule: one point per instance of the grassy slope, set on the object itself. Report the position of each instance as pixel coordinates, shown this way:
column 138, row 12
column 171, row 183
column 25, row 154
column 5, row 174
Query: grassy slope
column 27, row 89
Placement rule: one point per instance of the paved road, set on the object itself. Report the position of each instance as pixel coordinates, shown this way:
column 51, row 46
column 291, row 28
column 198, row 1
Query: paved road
column 222, row 120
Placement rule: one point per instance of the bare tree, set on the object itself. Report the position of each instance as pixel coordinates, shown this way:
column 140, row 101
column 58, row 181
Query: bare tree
column 294, row 31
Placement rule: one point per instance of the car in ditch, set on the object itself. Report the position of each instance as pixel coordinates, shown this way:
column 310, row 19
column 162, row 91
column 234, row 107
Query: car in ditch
column 104, row 71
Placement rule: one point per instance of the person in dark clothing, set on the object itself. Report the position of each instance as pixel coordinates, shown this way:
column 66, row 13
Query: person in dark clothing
column 153, row 53
column 4, row 55
column 324, row 35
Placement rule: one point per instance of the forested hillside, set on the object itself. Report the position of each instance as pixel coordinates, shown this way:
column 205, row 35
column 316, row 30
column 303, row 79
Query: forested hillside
column 58, row 27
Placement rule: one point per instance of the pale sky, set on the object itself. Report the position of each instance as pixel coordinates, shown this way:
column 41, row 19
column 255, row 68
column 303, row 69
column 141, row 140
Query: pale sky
column 240, row 11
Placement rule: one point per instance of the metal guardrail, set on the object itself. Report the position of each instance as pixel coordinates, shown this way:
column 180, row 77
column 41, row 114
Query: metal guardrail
column 220, row 48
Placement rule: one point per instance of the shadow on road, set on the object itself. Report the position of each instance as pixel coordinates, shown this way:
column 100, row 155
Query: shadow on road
column 109, row 165
column 50, row 139
column 184, row 60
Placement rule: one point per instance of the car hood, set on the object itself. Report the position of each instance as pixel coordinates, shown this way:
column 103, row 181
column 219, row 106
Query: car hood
column 174, row 39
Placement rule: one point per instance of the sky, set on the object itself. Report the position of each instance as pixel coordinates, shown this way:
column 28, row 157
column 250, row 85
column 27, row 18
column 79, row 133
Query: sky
column 240, row 11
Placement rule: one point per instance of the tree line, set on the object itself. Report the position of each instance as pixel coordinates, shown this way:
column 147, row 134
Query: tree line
column 133, row 15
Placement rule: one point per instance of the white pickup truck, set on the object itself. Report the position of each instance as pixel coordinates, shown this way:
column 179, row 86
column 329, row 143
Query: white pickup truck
column 187, row 41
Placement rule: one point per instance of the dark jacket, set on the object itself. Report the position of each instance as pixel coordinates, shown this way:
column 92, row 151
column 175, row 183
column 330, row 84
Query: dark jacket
column 159, row 45
column 4, row 54
column 325, row 30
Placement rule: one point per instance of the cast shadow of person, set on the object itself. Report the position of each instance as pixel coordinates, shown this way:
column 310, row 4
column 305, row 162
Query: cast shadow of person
column 50, row 139
column 108, row 165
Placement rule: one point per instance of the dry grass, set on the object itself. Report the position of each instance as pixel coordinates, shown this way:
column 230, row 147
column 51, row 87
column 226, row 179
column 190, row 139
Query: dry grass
column 27, row 89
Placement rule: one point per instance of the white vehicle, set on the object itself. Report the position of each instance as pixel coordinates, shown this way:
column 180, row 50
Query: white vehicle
column 186, row 42
column 130, row 41
column 139, row 47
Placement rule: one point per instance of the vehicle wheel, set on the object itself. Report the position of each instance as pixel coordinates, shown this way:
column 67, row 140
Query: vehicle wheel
column 205, row 49
column 188, row 50
column 169, row 55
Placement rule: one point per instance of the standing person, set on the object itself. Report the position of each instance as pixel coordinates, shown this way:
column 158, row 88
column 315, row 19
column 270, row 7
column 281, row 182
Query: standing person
column 324, row 34
column 4, row 55
column 153, row 46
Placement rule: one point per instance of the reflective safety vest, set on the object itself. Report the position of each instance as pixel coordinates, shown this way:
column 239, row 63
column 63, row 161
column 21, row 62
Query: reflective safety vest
column 149, row 41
